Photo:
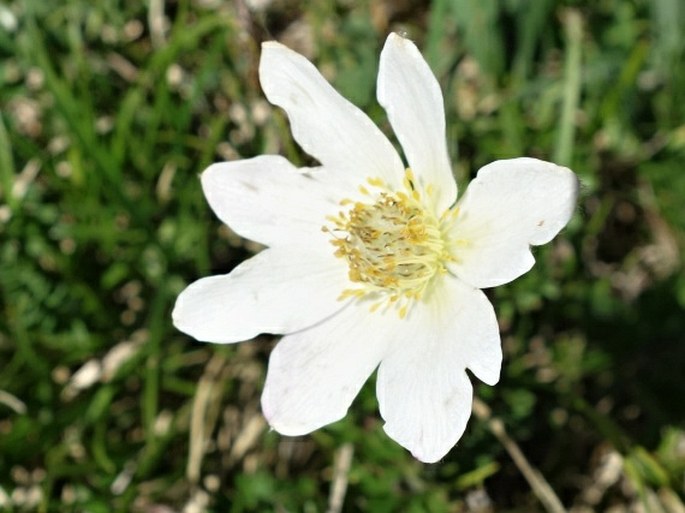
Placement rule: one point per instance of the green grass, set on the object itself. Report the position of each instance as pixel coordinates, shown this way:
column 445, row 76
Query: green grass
column 105, row 123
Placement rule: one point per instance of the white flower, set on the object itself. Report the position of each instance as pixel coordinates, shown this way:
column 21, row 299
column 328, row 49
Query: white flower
column 371, row 264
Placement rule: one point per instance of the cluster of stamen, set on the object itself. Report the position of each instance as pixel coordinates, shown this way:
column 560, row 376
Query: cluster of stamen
column 393, row 245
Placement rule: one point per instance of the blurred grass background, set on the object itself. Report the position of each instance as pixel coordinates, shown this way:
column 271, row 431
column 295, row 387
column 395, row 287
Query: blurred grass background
column 109, row 109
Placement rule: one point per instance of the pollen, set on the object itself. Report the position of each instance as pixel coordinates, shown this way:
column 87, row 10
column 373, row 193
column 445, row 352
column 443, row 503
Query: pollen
column 394, row 245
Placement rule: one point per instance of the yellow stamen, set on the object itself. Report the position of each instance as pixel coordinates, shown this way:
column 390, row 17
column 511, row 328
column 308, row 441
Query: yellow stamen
column 394, row 245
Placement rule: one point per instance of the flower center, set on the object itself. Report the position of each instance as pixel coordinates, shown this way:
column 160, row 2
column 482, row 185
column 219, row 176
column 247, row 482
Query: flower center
column 393, row 245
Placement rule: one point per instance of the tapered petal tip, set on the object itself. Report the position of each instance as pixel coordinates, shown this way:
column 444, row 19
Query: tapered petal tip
column 325, row 124
column 268, row 46
column 411, row 96
column 398, row 40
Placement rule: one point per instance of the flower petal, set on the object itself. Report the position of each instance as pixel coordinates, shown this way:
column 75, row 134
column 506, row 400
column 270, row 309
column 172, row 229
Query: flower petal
column 411, row 95
column 511, row 205
column 280, row 290
column 325, row 124
column 315, row 374
column 268, row 200
column 423, row 391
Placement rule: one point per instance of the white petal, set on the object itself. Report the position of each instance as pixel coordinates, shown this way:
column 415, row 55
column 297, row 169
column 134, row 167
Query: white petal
column 325, row 124
column 280, row 290
column 509, row 206
column 410, row 94
column 315, row 374
column 268, row 200
column 423, row 390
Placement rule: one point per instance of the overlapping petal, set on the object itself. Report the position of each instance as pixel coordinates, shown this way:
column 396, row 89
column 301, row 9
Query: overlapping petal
column 510, row 205
column 280, row 290
column 423, row 390
column 411, row 96
column 325, row 124
column 266, row 199
column 315, row 374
